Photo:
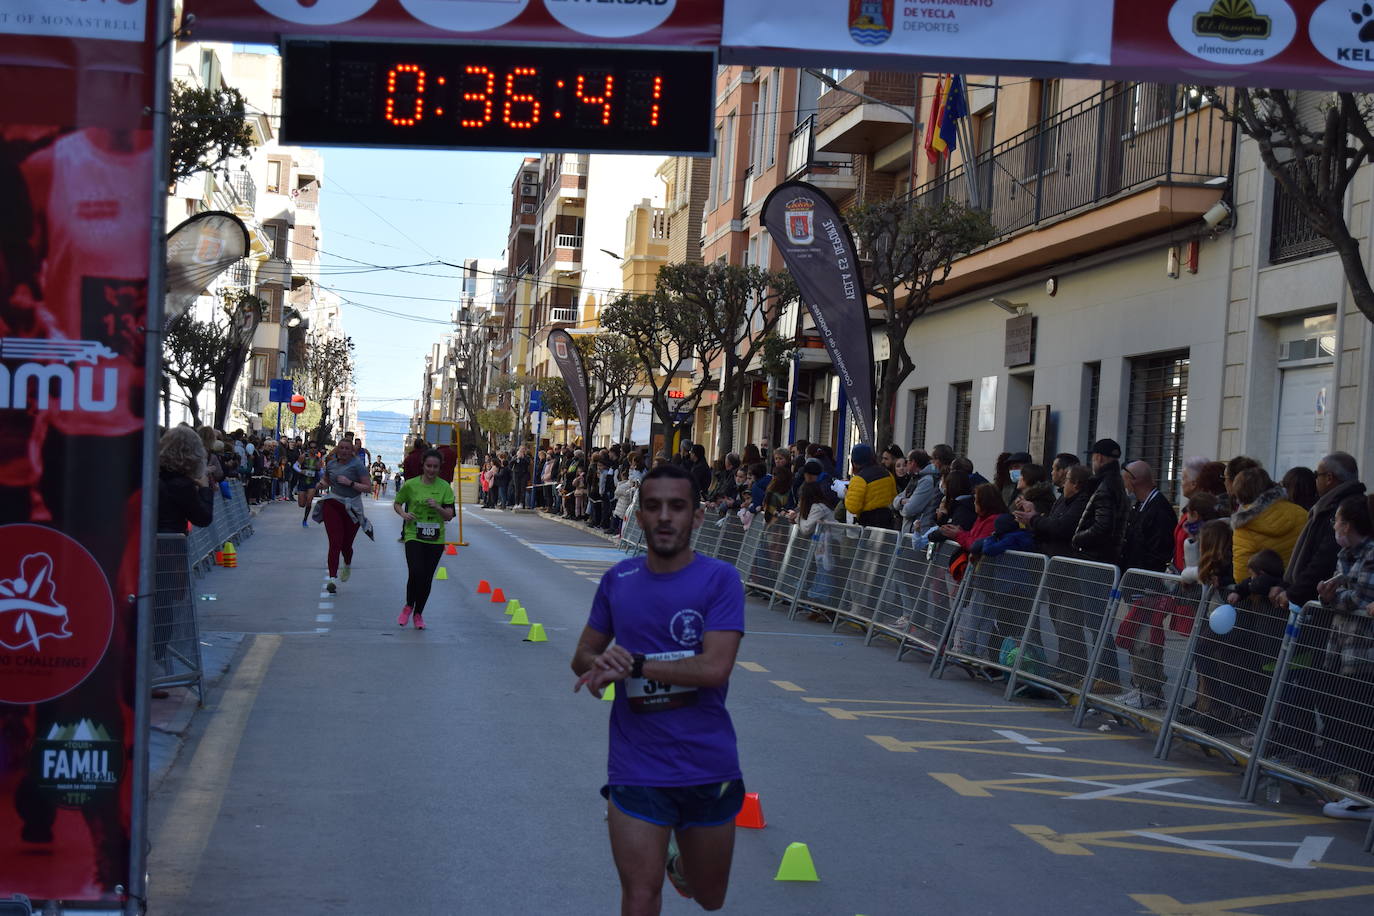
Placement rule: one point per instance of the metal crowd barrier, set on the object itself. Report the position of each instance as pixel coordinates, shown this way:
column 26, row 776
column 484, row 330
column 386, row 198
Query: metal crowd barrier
column 1274, row 694
column 180, row 557
column 231, row 522
column 631, row 535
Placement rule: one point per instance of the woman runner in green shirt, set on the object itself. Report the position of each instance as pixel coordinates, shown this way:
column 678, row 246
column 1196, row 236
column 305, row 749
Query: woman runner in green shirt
column 425, row 502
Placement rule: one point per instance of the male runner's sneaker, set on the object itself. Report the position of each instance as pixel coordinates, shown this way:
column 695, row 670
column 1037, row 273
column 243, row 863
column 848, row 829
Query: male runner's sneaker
column 419, row 622
column 331, row 585
column 675, row 875
column 305, row 523
column 404, row 617
column 345, row 573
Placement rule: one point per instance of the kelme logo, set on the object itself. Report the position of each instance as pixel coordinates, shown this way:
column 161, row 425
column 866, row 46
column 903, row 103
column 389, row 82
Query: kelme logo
column 1344, row 33
column 1234, row 32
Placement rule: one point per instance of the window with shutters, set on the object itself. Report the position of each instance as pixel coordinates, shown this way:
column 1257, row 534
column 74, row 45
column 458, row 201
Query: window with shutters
column 1158, row 412
column 961, row 402
column 1092, row 383
column 259, row 368
column 920, row 411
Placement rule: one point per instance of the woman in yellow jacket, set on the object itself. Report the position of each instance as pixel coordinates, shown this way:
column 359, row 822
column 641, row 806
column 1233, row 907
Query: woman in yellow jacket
column 1265, row 520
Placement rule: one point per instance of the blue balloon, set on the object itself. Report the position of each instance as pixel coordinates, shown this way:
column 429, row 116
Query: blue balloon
column 1222, row 619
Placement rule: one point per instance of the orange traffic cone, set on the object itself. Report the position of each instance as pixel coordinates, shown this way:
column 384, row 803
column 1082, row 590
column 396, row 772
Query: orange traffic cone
column 484, row 587
column 751, row 815
column 451, row 550
column 219, row 557
column 498, row 596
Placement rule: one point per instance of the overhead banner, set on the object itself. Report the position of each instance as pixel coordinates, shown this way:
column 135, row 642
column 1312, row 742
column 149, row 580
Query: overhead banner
column 693, row 23
column 1323, row 44
column 574, row 372
column 819, row 252
column 76, row 218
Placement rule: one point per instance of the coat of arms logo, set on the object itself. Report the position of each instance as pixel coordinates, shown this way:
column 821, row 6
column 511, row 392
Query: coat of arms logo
column 801, row 219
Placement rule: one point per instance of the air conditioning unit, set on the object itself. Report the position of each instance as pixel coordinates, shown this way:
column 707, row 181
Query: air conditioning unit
column 527, row 208
column 529, row 178
column 529, row 190
column 1308, row 348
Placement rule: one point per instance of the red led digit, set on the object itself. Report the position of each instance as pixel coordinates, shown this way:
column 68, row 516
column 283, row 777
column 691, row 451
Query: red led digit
column 520, row 98
column 418, row 111
column 484, row 96
column 604, row 100
column 658, row 94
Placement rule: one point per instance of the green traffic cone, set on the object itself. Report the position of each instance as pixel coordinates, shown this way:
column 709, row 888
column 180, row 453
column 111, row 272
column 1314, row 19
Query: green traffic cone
column 512, row 606
column 518, row 619
column 442, row 574
column 797, row 865
column 609, row 693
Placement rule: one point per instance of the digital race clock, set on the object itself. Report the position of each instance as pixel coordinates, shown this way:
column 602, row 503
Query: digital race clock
column 452, row 96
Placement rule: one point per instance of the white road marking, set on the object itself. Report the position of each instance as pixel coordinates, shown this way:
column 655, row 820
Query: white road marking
column 324, row 618
column 1029, row 743
column 1310, row 850
column 1108, row 789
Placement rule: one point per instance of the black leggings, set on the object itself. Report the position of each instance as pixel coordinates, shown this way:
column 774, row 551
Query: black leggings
column 422, row 560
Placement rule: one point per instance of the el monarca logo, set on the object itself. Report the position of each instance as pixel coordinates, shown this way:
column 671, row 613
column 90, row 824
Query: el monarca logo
column 1236, row 32
column 1232, row 20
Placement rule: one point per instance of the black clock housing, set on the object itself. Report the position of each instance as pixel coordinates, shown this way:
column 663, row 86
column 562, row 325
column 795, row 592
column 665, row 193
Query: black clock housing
column 501, row 97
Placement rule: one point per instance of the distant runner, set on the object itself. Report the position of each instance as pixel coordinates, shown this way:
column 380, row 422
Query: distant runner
column 674, row 780
column 379, row 478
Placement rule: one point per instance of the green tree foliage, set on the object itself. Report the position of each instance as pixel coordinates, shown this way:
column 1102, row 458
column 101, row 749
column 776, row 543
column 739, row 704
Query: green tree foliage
column 209, row 127
column 613, row 371
column 908, row 249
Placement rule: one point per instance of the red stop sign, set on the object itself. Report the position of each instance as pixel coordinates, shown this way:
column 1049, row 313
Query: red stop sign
column 297, row 404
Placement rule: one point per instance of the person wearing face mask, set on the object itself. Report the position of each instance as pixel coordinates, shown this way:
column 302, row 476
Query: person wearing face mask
column 1008, row 476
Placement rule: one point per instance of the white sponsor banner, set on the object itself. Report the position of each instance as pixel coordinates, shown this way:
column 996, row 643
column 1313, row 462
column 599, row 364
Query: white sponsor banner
column 1077, row 31
column 116, row 20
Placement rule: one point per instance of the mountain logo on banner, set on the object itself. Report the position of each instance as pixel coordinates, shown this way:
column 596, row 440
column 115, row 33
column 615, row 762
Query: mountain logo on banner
column 801, row 220
column 29, row 611
column 1235, row 32
column 870, row 21
column 1232, row 20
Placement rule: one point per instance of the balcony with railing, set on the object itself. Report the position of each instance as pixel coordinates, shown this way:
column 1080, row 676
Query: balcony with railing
column 1133, row 161
column 566, row 315
column 236, row 192
column 567, row 241
column 833, row 172
column 1291, row 235
column 240, row 273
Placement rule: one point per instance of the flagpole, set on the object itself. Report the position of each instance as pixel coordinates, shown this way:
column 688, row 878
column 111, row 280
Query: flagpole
column 965, row 130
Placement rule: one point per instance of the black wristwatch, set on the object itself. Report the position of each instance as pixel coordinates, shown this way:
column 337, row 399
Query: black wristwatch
column 637, row 669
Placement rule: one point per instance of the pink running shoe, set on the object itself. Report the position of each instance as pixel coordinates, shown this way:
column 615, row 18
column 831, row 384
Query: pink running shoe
column 404, row 618
column 419, row 622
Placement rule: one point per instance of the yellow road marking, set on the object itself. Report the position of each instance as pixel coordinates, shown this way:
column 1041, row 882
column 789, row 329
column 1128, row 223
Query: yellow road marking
column 1051, row 840
column 789, row 686
column 753, row 666
column 182, row 840
column 1164, row 905
column 965, row 787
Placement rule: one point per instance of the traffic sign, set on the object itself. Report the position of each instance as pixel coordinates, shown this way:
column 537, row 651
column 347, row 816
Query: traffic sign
column 536, row 401
column 279, row 390
column 297, row 403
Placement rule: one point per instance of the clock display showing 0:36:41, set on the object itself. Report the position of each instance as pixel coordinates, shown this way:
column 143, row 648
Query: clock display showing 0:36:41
column 522, row 97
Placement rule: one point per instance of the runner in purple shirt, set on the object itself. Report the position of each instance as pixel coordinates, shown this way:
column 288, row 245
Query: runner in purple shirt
column 674, row 779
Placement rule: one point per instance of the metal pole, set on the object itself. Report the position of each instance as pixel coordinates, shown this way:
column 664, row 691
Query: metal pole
column 458, row 479
column 841, row 421
column 137, row 886
column 278, row 421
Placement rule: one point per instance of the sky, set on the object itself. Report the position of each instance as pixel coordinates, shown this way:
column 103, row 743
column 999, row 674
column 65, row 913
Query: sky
column 390, row 209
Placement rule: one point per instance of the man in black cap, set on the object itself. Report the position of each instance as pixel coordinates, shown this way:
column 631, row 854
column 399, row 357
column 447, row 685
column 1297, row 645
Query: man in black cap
column 1102, row 529
column 1015, row 462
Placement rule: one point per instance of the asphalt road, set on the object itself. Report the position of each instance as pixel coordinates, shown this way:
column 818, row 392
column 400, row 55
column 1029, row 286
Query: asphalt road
column 348, row 766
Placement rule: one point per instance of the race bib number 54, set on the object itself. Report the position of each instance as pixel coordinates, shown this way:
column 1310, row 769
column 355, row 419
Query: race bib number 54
column 647, row 695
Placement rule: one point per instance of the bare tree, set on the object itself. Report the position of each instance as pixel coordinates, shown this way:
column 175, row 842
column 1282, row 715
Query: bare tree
column 325, row 371
column 558, row 402
column 664, row 336
column 1314, row 156
column 741, row 305
column 194, row 355
column 909, row 248
column 614, row 372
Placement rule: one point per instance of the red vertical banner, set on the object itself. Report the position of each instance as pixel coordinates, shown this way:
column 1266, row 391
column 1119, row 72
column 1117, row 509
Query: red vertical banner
column 76, row 213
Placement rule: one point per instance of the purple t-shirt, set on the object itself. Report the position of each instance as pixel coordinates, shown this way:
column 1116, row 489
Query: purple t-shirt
column 665, row 735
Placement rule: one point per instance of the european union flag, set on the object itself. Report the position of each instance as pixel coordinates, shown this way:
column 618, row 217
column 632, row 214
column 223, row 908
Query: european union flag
column 956, row 107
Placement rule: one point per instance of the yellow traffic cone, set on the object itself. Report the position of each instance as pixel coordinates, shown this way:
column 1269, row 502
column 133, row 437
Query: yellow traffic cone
column 442, row 574
column 231, row 556
column 512, row 606
column 518, row 619
column 797, row 865
column 536, row 633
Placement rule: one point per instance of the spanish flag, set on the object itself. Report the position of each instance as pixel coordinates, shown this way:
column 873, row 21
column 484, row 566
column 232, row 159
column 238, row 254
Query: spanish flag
column 935, row 143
